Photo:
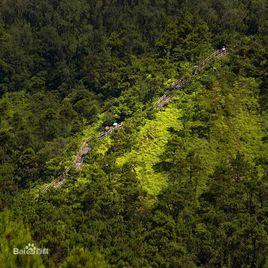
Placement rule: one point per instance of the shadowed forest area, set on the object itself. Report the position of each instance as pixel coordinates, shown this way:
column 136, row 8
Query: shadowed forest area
column 106, row 160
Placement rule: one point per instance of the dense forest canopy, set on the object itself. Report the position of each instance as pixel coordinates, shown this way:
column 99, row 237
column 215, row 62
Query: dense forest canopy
column 181, row 186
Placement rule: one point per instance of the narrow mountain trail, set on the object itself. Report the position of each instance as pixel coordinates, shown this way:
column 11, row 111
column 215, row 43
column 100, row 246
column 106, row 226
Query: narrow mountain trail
column 162, row 102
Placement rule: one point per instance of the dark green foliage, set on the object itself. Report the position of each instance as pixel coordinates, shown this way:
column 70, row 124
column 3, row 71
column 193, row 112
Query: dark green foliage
column 15, row 235
column 69, row 67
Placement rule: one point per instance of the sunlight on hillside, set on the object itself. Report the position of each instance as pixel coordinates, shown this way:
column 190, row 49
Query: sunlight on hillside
column 151, row 142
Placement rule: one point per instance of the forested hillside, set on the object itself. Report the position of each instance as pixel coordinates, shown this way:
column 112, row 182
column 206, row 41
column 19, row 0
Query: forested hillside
column 119, row 148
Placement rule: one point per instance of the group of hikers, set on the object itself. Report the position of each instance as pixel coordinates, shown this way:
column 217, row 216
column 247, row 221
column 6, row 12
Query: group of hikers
column 109, row 129
column 218, row 52
column 84, row 150
column 179, row 84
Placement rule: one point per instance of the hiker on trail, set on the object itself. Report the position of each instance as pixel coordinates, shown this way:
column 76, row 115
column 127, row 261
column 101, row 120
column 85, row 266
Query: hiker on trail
column 222, row 50
column 195, row 69
column 194, row 72
column 115, row 124
column 176, row 86
column 101, row 135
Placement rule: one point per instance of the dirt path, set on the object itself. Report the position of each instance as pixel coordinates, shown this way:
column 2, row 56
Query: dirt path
column 161, row 103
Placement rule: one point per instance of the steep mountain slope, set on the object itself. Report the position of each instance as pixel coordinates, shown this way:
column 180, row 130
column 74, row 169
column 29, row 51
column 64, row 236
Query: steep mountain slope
column 117, row 150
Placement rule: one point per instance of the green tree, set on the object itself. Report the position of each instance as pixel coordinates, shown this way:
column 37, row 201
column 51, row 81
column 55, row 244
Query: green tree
column 82, row 258
column 15, row 235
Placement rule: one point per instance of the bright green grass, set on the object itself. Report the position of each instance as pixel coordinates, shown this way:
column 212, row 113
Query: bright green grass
column 150, row 144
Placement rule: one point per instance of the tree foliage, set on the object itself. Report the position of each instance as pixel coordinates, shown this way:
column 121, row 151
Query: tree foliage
column 183, row 186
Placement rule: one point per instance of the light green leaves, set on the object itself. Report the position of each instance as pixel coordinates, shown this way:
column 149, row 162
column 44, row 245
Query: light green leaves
column 150, row 144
